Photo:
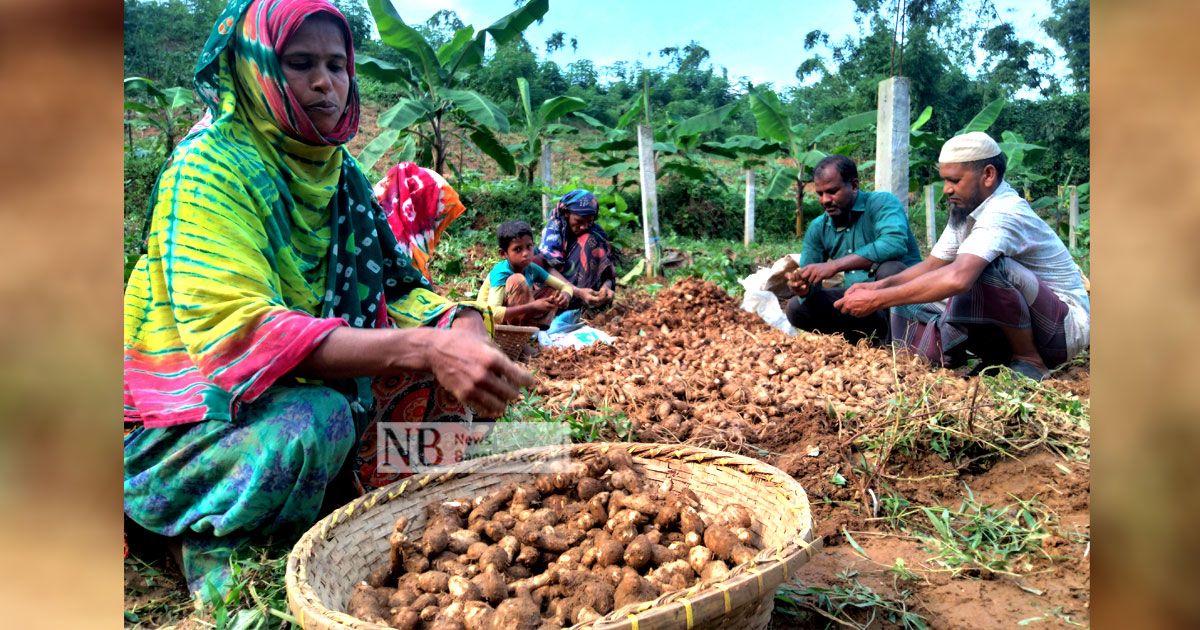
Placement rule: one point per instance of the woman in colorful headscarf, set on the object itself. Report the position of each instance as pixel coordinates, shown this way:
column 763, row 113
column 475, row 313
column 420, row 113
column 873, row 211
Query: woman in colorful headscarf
column 274, row 302
column 577, row 250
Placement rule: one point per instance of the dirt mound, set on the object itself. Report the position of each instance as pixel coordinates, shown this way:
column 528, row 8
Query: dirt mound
column 690, row 366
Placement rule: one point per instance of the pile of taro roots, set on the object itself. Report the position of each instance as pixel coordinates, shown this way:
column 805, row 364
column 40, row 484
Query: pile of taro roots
column 563, row 548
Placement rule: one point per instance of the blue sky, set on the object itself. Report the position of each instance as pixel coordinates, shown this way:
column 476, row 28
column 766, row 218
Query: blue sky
column 759, row 40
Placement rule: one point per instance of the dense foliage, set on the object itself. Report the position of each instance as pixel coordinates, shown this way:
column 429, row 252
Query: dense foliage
column 960, row 57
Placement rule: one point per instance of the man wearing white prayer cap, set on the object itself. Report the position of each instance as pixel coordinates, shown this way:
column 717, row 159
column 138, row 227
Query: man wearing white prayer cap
column 999, row 285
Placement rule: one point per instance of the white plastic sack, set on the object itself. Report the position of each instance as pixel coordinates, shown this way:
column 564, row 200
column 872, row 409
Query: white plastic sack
column 765, row 287
column 577, row 337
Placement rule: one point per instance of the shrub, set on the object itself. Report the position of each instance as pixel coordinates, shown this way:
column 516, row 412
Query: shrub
column 141, row 173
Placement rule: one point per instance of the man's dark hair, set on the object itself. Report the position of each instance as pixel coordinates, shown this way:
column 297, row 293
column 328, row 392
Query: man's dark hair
column 510, row 230
column 998, row 160
column 844, row 165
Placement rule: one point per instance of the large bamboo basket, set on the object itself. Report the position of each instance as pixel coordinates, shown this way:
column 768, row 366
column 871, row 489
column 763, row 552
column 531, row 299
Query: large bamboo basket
column 512, row 339
column 345, row 546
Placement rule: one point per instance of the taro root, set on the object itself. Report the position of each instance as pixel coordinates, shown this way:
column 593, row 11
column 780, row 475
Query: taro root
column 365, row 604
column 567, row 548
column 517, row 613
column 491, row 586
column 403, row 619
column 633, row 589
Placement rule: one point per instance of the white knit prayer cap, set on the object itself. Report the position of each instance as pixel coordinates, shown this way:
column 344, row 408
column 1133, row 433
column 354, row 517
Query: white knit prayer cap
column 968, row 147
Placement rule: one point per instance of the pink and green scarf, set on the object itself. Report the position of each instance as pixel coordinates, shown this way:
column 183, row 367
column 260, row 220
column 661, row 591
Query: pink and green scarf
column 265, row 236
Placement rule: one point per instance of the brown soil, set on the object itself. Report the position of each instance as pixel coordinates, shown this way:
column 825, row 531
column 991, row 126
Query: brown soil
column 690, row 366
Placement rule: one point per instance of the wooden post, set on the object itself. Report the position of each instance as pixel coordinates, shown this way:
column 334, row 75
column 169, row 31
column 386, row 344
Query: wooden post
column 1073, row 217
column 931, row 214
column 649, row 197
column 547, row 180
column 748, row 235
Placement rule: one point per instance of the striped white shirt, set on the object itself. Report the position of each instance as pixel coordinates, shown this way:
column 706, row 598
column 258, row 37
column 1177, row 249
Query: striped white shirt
column 1005, row 225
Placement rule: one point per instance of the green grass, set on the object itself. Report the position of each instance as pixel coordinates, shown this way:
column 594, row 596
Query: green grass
column 586, row 425
column 975, row 539
column 724, row 262
column 257, row 600
column 851, row 604
column 1005, row 415
column 979, row 538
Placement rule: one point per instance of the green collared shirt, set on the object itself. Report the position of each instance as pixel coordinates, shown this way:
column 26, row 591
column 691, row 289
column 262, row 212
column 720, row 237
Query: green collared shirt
column 878, row 231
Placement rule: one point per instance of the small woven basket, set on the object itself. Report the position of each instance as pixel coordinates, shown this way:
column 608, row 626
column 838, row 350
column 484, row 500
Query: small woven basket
column 345, row 546
column 512, row 339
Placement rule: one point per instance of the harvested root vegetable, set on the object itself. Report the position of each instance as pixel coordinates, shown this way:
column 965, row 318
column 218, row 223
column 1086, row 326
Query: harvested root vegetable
column 699, row 557
column 588, row 487
column 619, row 459
column 403, row 619
column 434, row 582
column 565, row 548
column 517, row 613
column 633, row 589
column 491, row 586
column 714, row 571
column 725, row 544
column 365, row 604
column 464, row 590
column 477, row 616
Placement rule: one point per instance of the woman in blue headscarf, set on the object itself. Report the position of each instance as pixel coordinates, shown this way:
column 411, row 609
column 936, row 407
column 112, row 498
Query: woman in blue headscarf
column 577, row 250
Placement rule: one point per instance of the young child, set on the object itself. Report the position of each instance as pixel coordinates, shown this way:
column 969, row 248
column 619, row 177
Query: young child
column 520, row 292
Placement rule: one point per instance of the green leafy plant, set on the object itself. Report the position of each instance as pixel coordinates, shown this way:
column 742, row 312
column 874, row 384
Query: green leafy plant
column 774, row 125
column 258, row 597
column 432, row 87
column 539, row 125
column 164, row 109
column 586, row 425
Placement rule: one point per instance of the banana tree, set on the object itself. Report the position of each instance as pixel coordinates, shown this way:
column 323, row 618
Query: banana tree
column 431, row 87
column 924, row 146
column 774, row 125
column 540, row 125
column 166, row 110
column 616, row 152
column 680, row 143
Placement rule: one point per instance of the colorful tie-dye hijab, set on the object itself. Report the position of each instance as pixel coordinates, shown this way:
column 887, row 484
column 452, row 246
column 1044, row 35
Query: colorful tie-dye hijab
column 264, row 237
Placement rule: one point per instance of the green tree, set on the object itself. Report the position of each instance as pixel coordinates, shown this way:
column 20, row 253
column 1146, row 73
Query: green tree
column 163, row 39
column 1070, row 25
column 433, row 85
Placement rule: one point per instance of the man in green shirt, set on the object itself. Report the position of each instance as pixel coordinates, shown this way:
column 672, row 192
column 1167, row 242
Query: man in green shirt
column 864, row 235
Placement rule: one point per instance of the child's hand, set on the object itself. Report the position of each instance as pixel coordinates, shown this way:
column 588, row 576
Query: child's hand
column 560, row 299
column 541, row 308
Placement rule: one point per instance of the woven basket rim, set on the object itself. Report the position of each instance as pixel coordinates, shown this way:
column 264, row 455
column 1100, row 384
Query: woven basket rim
column 770, row 568
column 509, row 328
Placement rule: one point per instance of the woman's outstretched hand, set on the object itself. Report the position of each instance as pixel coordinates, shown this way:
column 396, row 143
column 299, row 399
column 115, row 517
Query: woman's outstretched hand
column 473, row 369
